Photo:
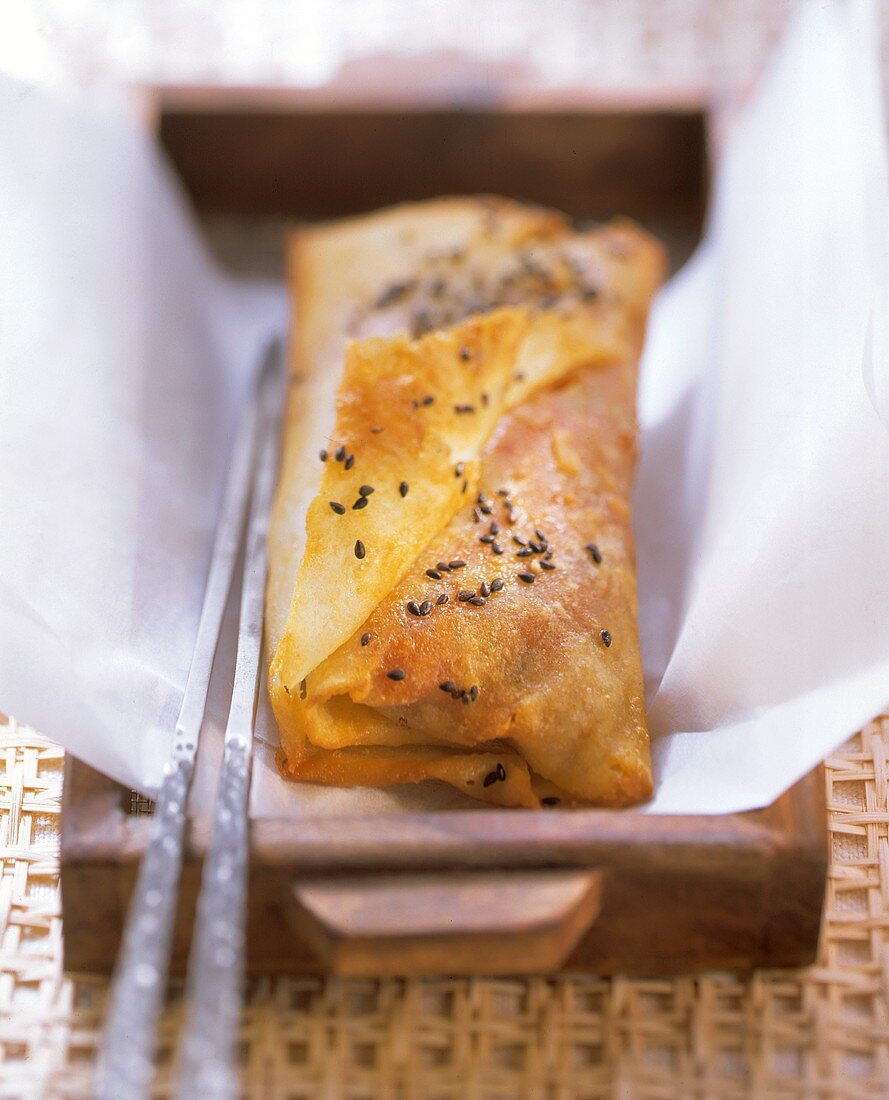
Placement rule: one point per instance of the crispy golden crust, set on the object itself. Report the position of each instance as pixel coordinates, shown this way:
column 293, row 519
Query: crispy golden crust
column 514, row 431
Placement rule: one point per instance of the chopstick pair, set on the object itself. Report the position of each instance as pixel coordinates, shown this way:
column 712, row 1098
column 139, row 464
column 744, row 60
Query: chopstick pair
column 207, row 1063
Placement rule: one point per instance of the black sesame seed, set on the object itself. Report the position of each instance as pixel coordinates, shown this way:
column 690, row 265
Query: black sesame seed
column 476, row 601
column 464, row 596
column 349, row 463
column 595, row 553
column 465, row 354
column 540, row 535
column 527, row 552
column 365, row 490
column 360, row 503
column 393, row 293
column 442, row 567
column 463, row 697
column 443, row 598
column 396, row 674
column 485, row 509
column 503, row 492
column 484, row 590
column 518, row 540
column 413, row 607
column 376, row 429
column 448, row 686
column 322, row 454
column 496, row 584
column 548, row 554
column 459, row 468
column 501, row 772
column 403, row 488
column 496, row 547
column 528, row 578
column 359, row 549
column 425, row 607
column 476, row 516
column 550, row 800
column 606, row 637
column 547, row 565
column 428, row 399
column 495, row 528
column 535, row 547
column 340, row 454
column 365, row 638
column 340, row 509
column 464, row 408
column 456, row 564
column 473, row 693
column 485, row 400
column 490, row 779
column 486, row 538
column 434, row 574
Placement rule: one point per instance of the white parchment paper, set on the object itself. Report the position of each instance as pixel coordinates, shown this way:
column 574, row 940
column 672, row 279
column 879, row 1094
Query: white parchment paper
column 762, row 509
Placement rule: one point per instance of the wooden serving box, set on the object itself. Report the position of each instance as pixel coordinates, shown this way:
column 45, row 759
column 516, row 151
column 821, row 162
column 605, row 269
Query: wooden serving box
column 480, row 892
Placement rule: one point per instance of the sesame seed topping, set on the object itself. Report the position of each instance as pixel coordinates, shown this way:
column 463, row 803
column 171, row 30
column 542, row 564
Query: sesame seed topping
column 359, row 549
column 443, row 598
column 550, row 800
column 485, row 400
column 484, row 590
column 547, row 565
column 501, row 772
column 473, row 693
column 535, row 547
column 448, row 686
column 428, row 399
column 526, row 552
column 503, row 492
column 485, row 509
column 457, row 563
column 434, row 574
column 496, row 584
column 606, row 637
column 349, row 463
column 464, row 596
column 426, row 607
column 403, row 488
column 365, row 490
column 528, row 578
column 340, row 509
column 595, row 553
column 495, row 528
column 396, row 674
column 465, row 354
column 442, row 567
column 322, row 454
column 365, row 638
column 360, row 503
column 464, row 408
column 376, row 429
column 486, row 538
column 340, row 454
column 413, row 607
column 459, row 468
column 496, row 547
column 540, row 535
column 477, row 601
column 519, row 541
column 490, row 779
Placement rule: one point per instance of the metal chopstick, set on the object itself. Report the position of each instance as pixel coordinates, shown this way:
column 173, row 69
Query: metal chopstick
column 214, row 986
column 126, row 1058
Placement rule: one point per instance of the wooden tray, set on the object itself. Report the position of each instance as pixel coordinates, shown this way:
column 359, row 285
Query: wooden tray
column 502, row 892
column 485, row 892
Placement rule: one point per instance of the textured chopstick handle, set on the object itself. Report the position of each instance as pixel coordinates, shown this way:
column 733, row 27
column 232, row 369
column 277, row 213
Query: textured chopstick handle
column 126, row 1063
column 216, row 963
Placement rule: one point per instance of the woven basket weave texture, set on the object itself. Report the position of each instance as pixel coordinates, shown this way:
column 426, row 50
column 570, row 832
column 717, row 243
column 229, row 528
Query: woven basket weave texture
column 815, row 1034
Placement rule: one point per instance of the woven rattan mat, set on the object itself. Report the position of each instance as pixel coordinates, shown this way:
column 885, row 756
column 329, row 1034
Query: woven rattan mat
column 818, row 1033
